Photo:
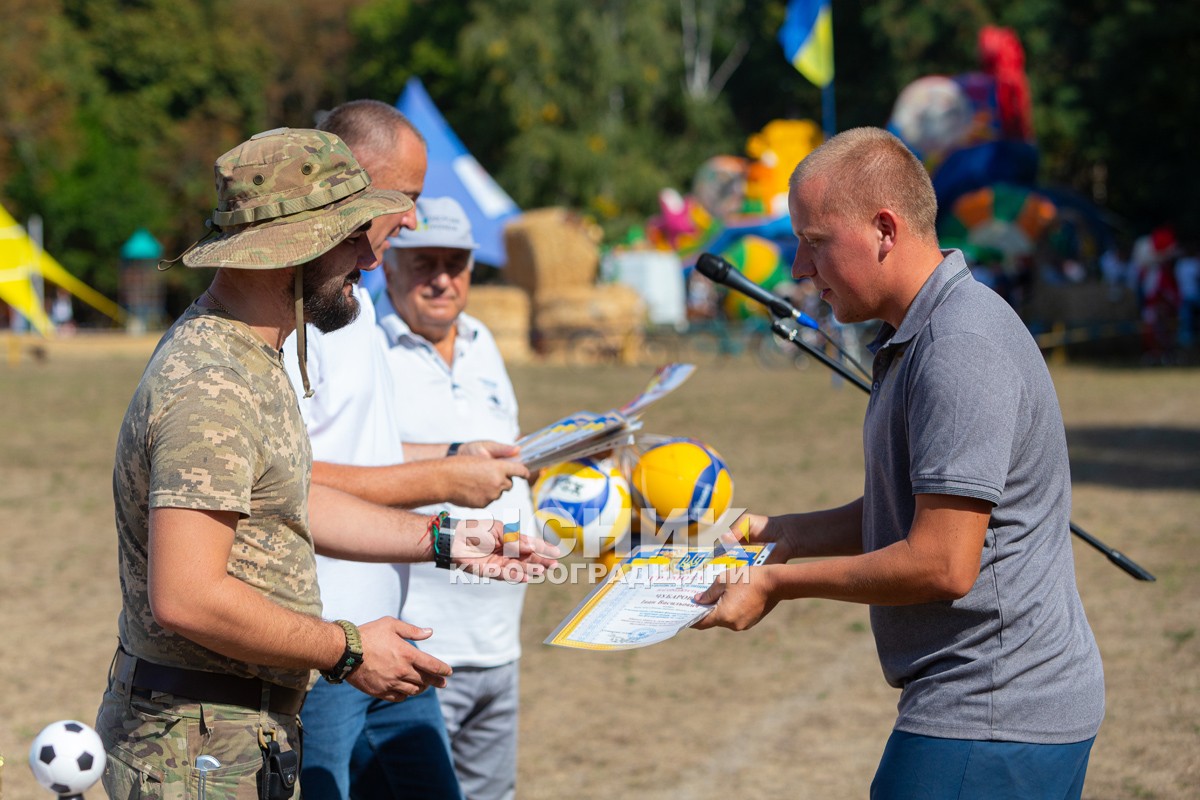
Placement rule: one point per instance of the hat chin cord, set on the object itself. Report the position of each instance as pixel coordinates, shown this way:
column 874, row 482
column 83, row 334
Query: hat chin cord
column 301, row 332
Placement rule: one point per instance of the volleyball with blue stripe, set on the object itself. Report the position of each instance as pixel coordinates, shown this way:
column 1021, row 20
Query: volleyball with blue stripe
column 586, row 500
column 682, row 481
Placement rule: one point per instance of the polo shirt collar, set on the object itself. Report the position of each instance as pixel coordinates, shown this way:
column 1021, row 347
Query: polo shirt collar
column 397, row 329
column 947, row 275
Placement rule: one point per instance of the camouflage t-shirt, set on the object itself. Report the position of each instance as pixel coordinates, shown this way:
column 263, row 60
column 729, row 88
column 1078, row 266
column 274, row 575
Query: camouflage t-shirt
column 214, row 425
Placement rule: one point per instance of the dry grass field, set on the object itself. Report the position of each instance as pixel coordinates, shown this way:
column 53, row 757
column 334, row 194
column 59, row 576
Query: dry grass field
column 796, row 706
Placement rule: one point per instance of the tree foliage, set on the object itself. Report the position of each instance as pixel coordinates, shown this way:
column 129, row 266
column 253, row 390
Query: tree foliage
column 1115, row 106
column 113, row 111
column 594, row 100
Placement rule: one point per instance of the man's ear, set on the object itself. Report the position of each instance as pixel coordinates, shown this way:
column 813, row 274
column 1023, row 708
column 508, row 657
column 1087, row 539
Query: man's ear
column 887, row 225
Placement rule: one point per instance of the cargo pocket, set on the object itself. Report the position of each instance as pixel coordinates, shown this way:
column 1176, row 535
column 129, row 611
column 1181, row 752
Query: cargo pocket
column 129, row 777
column 229, row 735
column 226, row 783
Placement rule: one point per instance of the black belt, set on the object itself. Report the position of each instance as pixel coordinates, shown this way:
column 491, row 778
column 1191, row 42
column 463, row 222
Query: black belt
column 213, row 687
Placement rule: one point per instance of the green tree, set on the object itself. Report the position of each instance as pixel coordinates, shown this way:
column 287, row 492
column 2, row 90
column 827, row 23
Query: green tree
column 126, row 105
column 596, row 107
column 594, row 100
column 46, row 70
column 306, row 49
column 1115, row 106
column 112, row 111
column 398, row 39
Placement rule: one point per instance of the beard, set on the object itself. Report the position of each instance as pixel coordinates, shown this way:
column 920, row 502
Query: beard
column 326, row 306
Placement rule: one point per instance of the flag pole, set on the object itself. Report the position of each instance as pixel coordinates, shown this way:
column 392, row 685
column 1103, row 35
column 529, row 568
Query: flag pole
column 807, row 39
column 828, row 106
column 828, row 111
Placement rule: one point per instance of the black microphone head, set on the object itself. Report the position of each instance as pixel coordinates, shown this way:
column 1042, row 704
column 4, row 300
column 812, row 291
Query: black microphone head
column 713, row 267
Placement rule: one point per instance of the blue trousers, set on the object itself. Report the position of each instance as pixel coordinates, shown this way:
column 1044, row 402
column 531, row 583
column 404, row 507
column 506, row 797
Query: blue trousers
column 356, row 746
column 928, row 768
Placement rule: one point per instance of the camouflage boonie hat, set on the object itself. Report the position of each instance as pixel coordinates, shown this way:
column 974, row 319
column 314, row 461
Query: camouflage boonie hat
column 285, row 197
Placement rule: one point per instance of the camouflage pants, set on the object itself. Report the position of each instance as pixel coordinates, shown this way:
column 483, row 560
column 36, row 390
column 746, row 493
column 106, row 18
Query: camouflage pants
column 153, row 742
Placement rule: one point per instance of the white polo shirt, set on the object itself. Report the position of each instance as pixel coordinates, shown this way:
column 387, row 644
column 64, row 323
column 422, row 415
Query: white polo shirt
column 351, row 419
column 476, row 622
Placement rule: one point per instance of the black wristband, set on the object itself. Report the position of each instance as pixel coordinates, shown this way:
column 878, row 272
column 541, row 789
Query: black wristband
column 452, row 450
column 441, row 534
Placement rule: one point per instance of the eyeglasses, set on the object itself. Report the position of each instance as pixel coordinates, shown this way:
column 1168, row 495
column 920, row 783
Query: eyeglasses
column 425, row 267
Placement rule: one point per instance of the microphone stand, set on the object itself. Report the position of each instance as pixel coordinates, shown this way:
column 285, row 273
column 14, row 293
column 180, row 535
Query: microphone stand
column 786, row 328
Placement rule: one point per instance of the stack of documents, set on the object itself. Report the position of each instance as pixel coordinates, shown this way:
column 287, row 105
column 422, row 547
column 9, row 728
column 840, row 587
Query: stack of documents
column 585, row 433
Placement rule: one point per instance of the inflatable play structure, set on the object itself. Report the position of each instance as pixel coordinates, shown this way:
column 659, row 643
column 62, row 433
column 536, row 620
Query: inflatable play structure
column 22, row 263
column 974, row 133
column 737, row 207
column 974, row 129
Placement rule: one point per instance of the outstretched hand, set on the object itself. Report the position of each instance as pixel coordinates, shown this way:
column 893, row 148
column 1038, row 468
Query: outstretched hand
column 486, row 550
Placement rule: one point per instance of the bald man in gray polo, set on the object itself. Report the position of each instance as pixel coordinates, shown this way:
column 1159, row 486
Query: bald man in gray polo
column 960, row 394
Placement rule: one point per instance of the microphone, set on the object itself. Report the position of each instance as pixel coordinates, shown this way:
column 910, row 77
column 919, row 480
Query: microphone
column 721, row 271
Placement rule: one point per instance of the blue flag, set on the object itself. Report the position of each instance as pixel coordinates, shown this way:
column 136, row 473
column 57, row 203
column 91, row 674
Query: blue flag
column 807, row 39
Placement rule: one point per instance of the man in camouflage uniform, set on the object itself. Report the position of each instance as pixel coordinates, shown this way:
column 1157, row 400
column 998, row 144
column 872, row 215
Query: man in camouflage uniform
column 220, row 628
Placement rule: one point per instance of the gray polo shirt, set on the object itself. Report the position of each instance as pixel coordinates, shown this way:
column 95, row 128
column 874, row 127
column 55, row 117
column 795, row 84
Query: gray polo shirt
column 962, row 404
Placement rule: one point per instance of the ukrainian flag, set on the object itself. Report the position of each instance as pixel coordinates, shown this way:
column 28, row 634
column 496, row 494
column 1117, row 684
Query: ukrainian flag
column 807, row 39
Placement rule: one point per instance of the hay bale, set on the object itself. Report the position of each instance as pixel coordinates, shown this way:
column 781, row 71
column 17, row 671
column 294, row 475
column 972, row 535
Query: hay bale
column 590, row 324
column 602, row 306
column 505, row 311
column 550, row 248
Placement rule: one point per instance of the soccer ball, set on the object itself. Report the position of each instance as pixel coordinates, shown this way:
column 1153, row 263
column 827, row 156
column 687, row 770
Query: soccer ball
column 67, row 757
column 586, row 500
column 681, row 484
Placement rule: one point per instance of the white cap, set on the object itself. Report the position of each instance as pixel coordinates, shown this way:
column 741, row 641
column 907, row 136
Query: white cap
column 441, row 222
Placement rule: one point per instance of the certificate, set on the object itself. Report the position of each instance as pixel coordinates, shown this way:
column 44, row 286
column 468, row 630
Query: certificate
column 647, row 598
column 585, row 433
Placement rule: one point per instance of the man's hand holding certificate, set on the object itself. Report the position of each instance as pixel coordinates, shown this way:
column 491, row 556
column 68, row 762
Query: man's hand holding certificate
column 650, row 596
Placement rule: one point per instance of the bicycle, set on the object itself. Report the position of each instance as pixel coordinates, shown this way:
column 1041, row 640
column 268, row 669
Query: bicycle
column 717, row 339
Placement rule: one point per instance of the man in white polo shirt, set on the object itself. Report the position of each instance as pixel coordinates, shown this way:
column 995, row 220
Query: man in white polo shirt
column 451, row 385
column 355, row 745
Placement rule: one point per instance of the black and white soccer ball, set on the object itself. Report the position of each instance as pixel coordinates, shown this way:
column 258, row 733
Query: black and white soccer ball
column 67, row 757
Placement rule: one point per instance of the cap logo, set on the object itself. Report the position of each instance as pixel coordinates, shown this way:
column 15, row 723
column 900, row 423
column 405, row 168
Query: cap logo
column 441, row 222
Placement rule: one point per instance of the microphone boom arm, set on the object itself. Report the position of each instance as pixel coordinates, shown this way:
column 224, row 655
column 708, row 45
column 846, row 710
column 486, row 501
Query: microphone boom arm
column 785, row 328
column 785, row 325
